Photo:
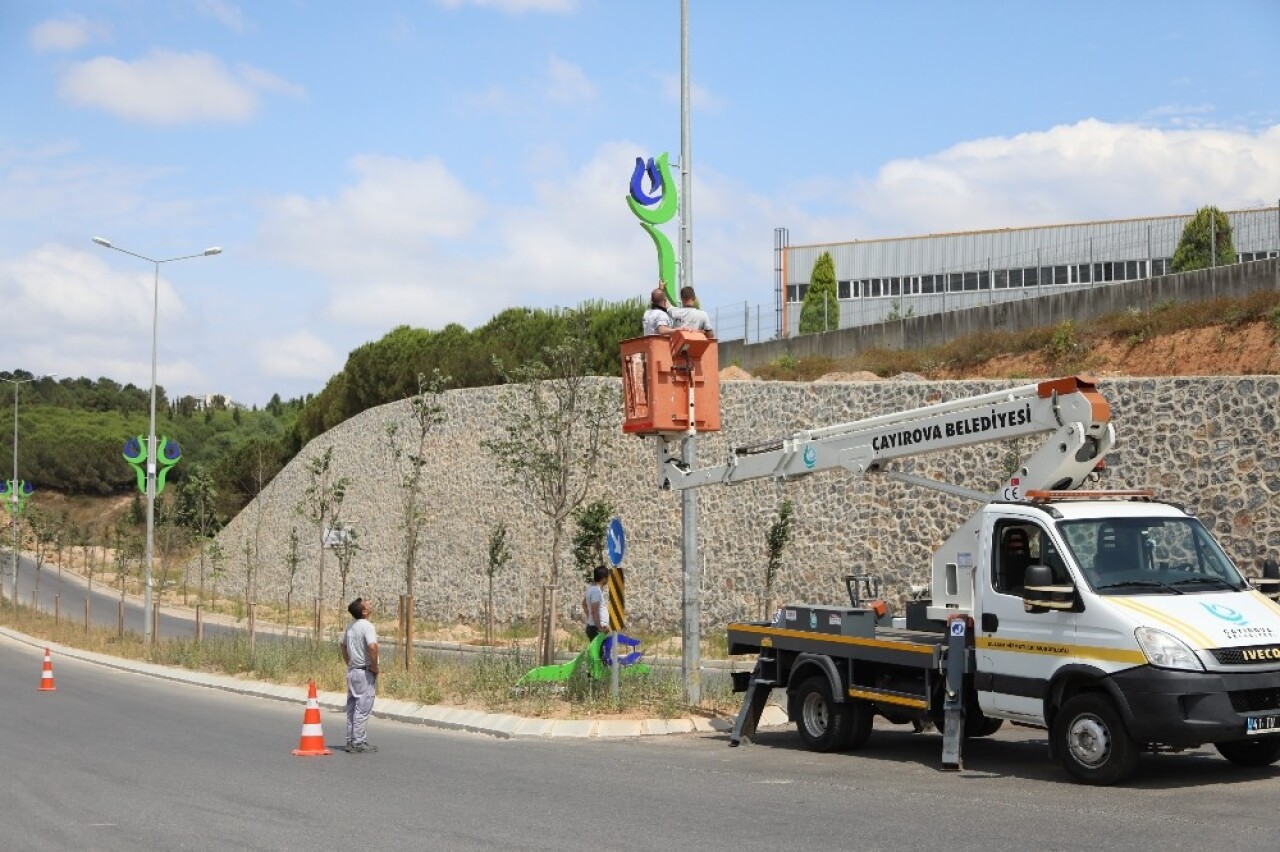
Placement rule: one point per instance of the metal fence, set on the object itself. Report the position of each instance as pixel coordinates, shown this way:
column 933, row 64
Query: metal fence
column 884, row 280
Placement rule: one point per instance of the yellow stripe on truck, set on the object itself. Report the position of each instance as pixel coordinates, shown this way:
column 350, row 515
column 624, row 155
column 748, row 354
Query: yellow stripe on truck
column 1062, row 649
column 1199, row 639
column 1272, row 605
column 888, row 698
column 831, row 637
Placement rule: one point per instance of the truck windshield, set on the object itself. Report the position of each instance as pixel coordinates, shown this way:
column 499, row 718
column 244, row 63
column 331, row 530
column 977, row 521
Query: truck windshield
column 1124, row 556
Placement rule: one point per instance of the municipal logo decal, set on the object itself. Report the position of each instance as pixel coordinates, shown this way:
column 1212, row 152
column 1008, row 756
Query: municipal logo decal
column 1225, row 613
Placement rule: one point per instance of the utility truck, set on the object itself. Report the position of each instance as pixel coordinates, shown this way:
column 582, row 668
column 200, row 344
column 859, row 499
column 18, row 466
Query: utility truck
column 1110, row 619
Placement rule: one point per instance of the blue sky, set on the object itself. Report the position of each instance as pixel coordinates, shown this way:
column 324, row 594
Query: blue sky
column 435, row 161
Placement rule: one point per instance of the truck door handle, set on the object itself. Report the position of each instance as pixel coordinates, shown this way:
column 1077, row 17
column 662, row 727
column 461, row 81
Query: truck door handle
column 990, row 622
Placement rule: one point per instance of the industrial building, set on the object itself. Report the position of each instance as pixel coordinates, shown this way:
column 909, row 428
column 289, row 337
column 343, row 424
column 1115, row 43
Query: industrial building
column 886, row 279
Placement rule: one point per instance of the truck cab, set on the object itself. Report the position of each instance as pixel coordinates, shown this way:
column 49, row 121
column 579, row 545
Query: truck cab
column 1122, row 624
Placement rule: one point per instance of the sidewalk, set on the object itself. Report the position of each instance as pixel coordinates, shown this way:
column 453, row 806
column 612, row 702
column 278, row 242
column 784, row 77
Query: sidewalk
column 501, row 725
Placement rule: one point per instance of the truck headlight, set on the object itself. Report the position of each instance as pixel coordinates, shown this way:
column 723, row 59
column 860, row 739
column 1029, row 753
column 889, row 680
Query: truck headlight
column 1166, row 650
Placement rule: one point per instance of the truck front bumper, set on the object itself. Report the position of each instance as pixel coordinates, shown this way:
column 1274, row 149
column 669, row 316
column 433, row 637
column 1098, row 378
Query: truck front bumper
column 1185, row 709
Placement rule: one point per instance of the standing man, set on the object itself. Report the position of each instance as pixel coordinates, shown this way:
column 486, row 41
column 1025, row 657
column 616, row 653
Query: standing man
column 689, row 315
column 656, row 319
column 360, row 653
column 594, row 604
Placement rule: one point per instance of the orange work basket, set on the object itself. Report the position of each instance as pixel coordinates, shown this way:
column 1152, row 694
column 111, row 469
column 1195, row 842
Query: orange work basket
column 657, row 372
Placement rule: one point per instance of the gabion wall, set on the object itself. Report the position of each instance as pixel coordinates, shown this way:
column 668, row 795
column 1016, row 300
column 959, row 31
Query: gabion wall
column 1209, row 444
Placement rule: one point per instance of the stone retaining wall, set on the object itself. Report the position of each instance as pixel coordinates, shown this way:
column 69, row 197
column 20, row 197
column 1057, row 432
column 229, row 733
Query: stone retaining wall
column 1208, row 443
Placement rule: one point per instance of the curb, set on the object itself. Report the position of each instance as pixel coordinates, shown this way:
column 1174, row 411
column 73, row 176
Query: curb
column 500, row 725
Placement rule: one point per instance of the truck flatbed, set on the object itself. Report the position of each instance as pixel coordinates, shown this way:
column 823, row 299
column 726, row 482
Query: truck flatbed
column 893, row 645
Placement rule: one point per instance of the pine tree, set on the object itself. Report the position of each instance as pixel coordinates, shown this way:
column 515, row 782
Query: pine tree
column 1206, row 242
column 821, row 308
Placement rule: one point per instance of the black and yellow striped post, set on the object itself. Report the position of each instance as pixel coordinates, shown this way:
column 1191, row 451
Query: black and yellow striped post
column 615, row 541
column 617, row 599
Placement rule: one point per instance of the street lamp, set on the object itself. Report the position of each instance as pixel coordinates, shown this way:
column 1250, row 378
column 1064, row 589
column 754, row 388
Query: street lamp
column 151, row 437
column 15, row 497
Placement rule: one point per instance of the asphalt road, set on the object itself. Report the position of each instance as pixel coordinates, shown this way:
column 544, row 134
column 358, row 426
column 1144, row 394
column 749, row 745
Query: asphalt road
column 69, row 596
column 120, row 761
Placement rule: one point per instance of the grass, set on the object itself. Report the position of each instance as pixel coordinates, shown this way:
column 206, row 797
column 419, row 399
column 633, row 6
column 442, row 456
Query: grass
column 1066, row 344
column 486, row 680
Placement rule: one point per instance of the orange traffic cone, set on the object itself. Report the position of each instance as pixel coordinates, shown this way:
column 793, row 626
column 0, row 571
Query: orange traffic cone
column 46, row 676
column 312, row 742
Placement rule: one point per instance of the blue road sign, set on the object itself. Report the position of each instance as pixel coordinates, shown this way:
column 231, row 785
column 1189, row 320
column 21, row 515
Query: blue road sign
column 615, row 542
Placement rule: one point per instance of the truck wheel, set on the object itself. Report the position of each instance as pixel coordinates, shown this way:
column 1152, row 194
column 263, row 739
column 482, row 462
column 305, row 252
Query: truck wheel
column 1090, row 740
column 860, row 716
column 1258, row 752
column 988, row 727
column 823, row 724
column 975, row 725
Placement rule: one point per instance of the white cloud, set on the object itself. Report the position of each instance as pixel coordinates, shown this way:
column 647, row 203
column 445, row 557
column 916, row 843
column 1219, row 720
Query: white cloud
column 56, row 183
column 515, row 6
column 229, row 15
column 66, row 34
column 567, row 83
column 409, row 243
column 700, row 98
column 168, row 88
column 301, row 355
column 493, row 99
column 385, row 242
column 78, row 314
column 1071, row 173
column 564, row 83
column 267, row 82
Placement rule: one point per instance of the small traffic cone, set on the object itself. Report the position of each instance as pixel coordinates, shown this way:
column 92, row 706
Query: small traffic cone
column 312, row 742
column 46, row 676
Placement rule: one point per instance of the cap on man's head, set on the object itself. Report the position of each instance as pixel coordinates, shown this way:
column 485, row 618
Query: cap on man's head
column 355, row 608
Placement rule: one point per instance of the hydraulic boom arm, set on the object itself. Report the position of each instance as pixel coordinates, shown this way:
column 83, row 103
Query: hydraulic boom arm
column 1070, row 411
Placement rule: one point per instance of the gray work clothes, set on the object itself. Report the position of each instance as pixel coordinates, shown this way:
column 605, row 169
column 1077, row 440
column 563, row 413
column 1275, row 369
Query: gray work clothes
column 362, row 686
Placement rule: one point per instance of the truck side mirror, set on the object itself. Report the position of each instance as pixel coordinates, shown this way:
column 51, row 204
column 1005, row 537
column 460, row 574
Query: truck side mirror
column 1041, row 593
column 1269, row 582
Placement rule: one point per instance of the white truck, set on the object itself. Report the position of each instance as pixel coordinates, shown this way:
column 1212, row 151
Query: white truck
column 1110, row 619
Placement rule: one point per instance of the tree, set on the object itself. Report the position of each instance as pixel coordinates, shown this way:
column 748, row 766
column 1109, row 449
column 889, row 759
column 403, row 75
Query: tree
column 776, row 540
column 196, row 499
column 250, row 558
column 592, row 523
column 322, row 505
column 821, row 308
column 215, row 567
column 345, row 548
column 80, row 538
column 171, row 536
column 243, row 471
column 44, row 529
column 409, row 455
column 129, row 545
column 292, row 559
column 1206, row 242
column 499, row 556
column 263, row 499
column 552, row 426
column 63, row 536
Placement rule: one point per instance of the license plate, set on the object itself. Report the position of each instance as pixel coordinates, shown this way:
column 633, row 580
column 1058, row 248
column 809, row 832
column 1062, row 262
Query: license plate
column 1262, row 725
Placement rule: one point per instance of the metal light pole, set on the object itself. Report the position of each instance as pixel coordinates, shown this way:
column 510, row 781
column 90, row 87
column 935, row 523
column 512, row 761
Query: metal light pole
column 151, row 434
column 691, row 661
column 14, row 496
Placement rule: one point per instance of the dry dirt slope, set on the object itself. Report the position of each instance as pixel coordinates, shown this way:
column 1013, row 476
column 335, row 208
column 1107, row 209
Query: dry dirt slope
column 1216, row 350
